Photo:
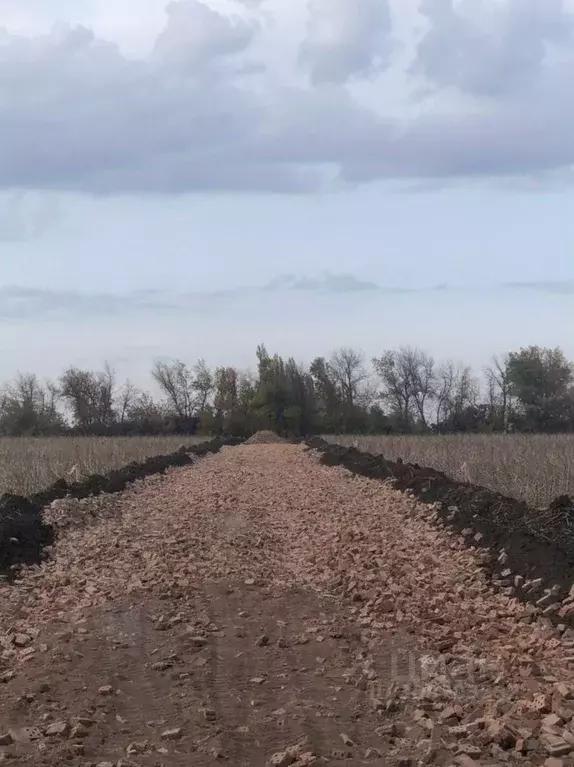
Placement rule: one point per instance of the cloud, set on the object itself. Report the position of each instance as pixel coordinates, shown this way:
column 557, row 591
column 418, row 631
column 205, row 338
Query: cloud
column 492, row 49
column 326, row 283
column 219, row 106
column 346, row 38
column 26, row 215
column 196, row 35
column 19, row 303
column 557, row 287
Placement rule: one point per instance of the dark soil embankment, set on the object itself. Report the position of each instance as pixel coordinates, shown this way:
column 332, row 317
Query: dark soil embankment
column 23, row 533
column 535, row 545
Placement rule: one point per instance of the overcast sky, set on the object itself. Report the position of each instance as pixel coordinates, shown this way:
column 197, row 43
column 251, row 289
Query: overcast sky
column 191, row 178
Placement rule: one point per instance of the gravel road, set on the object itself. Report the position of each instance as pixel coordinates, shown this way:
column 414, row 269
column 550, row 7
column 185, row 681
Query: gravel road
column 259, row 608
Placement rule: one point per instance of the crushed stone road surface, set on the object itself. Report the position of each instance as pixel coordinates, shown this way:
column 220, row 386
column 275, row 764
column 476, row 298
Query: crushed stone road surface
column 259, row 608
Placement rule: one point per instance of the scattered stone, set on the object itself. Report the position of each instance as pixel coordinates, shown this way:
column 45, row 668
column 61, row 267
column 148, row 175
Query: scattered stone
column 21, row 640
column 106, row 689
column 564, row 690
column 60, row 729
column 346, row 739
column 6, row 739
column 551, row 720
column 137, row 747
column 464, row 760
column 162, row 665
column 209, row 714
column 262, row 641
column 198, row 641
column 26, row 734
column 79, row 731
column 554, row 744
column 174, row 733
column 85, row 721
column 161, row 624
column 282, row 759
column 448, row 716
column 306, row 759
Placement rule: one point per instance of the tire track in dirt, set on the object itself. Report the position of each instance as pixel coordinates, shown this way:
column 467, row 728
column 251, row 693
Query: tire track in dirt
column 260, row 601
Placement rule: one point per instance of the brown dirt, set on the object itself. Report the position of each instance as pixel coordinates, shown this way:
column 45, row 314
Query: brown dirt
column 537, row 544
column 259, row 601
column 24, row 533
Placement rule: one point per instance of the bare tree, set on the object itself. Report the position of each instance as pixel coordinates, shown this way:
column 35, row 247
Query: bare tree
column 28, row 406
column 90, row 396
column 466, row 390
column 456, row 390
column 145, row 415
column 445, row 383
column 187, row 390
column 125, row 400
column 499, row 389
column 397, row 392
column 347, row 368
column 422, row 376
column 408, row 378
column 203, row 385
column 176, row 382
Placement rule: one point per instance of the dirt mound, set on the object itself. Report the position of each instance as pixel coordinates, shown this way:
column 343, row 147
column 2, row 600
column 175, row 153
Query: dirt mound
column 516, row 539
column 264, row 438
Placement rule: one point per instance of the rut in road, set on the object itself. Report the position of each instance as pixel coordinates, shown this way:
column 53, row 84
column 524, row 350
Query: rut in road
column 259, row 606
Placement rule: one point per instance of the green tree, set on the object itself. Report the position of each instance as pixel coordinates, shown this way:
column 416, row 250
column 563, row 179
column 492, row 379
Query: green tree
column 300, row 412
column 327, row 398
column 271, row 399
column 541, row 380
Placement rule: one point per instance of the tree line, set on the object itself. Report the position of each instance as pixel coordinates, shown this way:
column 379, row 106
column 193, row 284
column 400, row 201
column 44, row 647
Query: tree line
column 403, row 390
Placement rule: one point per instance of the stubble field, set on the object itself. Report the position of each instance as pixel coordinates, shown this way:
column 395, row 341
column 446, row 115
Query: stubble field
column 534, row 468
column 29, row 464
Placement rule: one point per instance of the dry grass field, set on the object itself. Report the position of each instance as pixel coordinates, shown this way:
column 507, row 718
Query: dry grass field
column 28, row 464
column 533, row 468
